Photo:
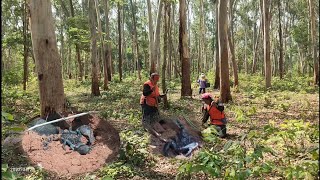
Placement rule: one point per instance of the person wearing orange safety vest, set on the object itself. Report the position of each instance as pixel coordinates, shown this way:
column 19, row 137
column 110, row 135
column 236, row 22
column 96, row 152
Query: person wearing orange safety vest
column 150, row 96
column 215, row 110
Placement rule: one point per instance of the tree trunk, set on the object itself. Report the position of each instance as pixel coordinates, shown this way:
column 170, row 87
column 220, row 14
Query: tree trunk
column 64, row 17
column 107, row 63
column 77, row 48
column 25, row 49
column 213, row 41
column 85, row 66
column 245, row 52
column 152, row 59
column 99, row 58
column 62, row 54
column 174, row 44
column 157, row 36
column 261, row 49
column 231, row 46
column 169, row 43
column 102, row 48
column 183, row 51
column 146, row 53
column 64, row 8
column 280, row 43
column 119, row 42
column 125, row 64
column 217, row 73
column 94, row 60
column 135, row 40
column 255, row 51
column 234, row 63
column 107, row 53
column 165, row 44
column 197, row 45
column 266, row 42
column 47, row 58
column 201, row 39
column 225, row 94
column 275, row 63
column 314, row 44
column 189, row 26
column 69, row 71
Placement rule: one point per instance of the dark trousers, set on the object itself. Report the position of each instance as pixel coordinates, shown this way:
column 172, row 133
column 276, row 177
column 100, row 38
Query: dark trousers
column 221, row 130
column 149, row 110
column 149, row 117
column 203, row 90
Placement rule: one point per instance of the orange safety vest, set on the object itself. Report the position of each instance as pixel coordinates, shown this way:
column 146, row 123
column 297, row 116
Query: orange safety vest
column 151, row 100
column 216, row 116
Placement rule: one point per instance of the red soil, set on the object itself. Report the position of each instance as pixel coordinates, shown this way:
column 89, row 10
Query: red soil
column 67, row 162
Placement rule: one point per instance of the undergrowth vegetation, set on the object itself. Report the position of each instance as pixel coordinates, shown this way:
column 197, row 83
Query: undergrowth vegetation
column 273, row 132
column 289, row 150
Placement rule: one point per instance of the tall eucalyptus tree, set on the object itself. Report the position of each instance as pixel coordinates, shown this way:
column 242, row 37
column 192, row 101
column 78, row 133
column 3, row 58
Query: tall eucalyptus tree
column 47, row 58
column 225, row 93
column 94, row 60
column 184, row 51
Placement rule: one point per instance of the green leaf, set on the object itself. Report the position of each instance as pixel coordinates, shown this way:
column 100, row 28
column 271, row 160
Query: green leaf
column 7, row 116
column 16, row 129
column 107, row 178
column 308, row 176
column 315, row 155
column 243, row 137
column 232, row 172
column 185, row 168
column 227, row 145
column 213, row 172
column 252, row 134
column 143, row 151
column 198, row 168
column 248, row 159
column 4, row 167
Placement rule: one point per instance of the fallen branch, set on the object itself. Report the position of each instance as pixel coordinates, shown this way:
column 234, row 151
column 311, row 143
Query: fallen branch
column 62, row 119
column 191, row 124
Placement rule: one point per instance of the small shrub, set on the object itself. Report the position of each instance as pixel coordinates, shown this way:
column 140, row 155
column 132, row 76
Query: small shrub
column 134, row 148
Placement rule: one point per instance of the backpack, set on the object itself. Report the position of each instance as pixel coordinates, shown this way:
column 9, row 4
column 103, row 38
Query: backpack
column 207, row 84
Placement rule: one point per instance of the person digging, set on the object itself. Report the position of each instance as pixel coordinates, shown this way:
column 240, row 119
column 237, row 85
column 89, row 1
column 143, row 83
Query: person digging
column 215, row 110
column 149, row 102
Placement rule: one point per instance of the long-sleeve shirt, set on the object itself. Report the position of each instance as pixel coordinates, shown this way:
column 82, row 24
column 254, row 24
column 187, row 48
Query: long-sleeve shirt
column 146, row 90
column 202, row 83
column 205, row 116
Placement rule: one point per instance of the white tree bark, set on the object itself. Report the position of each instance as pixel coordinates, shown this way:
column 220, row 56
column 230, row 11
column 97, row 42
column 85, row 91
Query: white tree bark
column 47, row 58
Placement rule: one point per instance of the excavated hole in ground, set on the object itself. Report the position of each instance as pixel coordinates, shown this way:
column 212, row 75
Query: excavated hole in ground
column 68, row 162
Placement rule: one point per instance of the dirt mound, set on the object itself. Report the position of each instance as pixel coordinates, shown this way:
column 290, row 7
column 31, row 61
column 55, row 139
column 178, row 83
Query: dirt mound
column 170, row 131
column 68, row 162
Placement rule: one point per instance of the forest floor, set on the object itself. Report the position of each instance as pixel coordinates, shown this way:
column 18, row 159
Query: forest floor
column 252, row 107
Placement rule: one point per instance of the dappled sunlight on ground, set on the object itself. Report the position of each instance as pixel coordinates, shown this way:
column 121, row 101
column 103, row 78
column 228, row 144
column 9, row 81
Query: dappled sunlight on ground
column 251, row 109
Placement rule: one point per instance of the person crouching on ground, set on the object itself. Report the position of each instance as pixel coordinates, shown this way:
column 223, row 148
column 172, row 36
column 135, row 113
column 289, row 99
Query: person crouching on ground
column 202, row 83
column 215, row 110
column 149, row 102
